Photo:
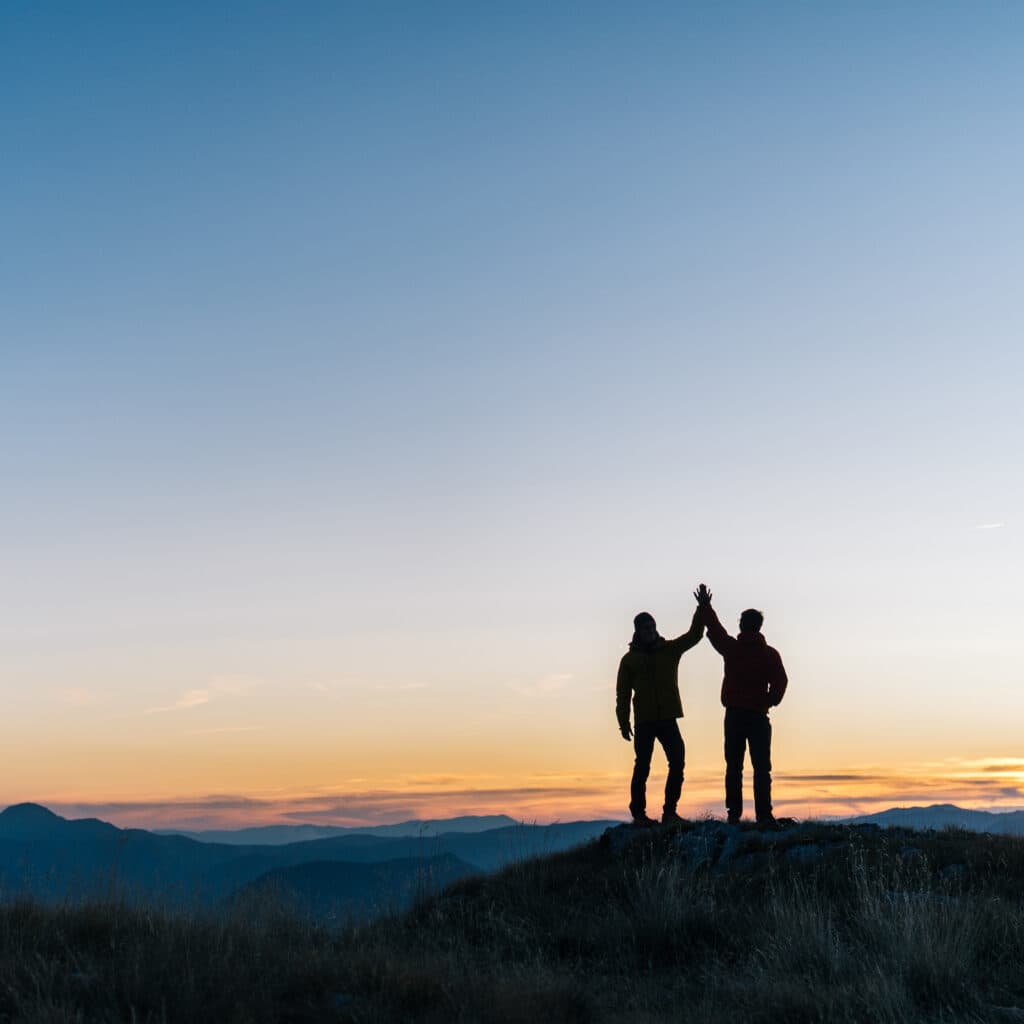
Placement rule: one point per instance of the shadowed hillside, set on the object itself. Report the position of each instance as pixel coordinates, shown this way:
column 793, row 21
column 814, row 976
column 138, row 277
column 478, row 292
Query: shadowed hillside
column 340, row 893
column 703, row 923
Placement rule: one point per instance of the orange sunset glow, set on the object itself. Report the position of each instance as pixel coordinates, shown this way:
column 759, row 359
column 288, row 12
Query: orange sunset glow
column 550, row 798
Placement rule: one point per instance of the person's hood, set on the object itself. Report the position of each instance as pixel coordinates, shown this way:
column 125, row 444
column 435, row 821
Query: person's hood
column 636, row 645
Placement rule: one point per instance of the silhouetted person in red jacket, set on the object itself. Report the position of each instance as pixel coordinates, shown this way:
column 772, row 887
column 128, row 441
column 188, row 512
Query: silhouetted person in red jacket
column 754, row 681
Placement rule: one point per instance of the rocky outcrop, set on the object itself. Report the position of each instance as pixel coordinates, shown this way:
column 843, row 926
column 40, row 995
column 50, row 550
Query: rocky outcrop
column 717, row 846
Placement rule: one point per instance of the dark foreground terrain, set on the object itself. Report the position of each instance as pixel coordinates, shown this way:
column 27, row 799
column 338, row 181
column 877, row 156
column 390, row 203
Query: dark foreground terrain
column 704, row 923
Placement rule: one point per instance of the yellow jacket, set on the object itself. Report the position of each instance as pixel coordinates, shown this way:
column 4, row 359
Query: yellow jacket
column 652, row 677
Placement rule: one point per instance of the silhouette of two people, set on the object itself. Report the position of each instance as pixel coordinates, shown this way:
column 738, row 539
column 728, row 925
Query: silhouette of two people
column 754, row 681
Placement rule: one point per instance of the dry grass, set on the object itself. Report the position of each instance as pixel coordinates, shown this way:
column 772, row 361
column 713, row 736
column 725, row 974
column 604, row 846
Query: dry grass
column 875, row 933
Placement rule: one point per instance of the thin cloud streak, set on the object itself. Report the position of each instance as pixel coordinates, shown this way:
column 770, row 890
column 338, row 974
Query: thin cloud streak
column 188, row 700
column 1005, row 768
column 223, row 729
column 809, row 778
column 219, row 686
column 556, row 797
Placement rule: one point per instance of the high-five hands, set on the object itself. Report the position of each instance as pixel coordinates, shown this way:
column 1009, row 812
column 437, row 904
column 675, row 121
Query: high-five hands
column 703, row 596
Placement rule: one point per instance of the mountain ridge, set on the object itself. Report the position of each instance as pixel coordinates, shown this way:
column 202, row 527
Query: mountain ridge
column 937, row 816
column 34, row 821
column 276, row 835
column 50, row 858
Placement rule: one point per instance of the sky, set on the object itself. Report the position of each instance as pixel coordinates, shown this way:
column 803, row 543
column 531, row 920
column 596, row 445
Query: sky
column 364, row 369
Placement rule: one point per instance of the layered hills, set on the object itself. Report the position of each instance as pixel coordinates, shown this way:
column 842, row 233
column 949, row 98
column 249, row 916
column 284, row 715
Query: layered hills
column 702, row 922
column 275, row 835
column 53, row 859
column 344, row 876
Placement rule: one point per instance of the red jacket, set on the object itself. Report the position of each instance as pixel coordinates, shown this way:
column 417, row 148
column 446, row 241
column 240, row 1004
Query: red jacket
column 754, row 677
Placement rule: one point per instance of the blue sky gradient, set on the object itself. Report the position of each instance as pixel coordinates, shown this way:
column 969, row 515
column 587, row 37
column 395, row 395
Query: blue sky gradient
column 404, row 345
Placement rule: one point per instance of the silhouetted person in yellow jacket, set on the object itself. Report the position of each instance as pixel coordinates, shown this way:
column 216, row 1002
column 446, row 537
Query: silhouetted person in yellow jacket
column 649, row 672
column 754, row 681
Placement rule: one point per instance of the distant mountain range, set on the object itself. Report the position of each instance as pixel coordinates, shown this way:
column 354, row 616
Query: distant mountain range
column 934, row 816
column 53, row 859
column 277, row 835
column 944, row 816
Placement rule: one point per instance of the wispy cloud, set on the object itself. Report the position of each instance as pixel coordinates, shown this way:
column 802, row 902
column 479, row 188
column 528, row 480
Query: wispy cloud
column 990, row 526
column 219, row 686
column 808, row 777
column 394, row 801
column 189, row 699
column 226, row 729
column 1011, row 766
column 990, row 784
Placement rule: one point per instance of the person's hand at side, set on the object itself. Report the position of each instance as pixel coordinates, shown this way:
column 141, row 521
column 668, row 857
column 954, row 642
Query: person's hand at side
column 627, row 732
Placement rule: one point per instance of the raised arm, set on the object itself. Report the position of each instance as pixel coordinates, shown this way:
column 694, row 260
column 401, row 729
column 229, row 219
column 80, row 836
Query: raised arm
column 720, row 639
column 692, row 636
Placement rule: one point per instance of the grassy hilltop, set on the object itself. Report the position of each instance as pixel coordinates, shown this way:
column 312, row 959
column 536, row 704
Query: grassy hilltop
column 702, row 923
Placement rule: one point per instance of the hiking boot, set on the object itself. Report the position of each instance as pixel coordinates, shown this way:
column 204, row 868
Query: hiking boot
column 642, row 821
column 734, row 818
column 768, row 824
column 671, row 818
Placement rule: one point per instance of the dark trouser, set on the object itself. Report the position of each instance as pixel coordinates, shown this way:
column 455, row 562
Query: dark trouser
column 666, row 732
column 743, row 727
